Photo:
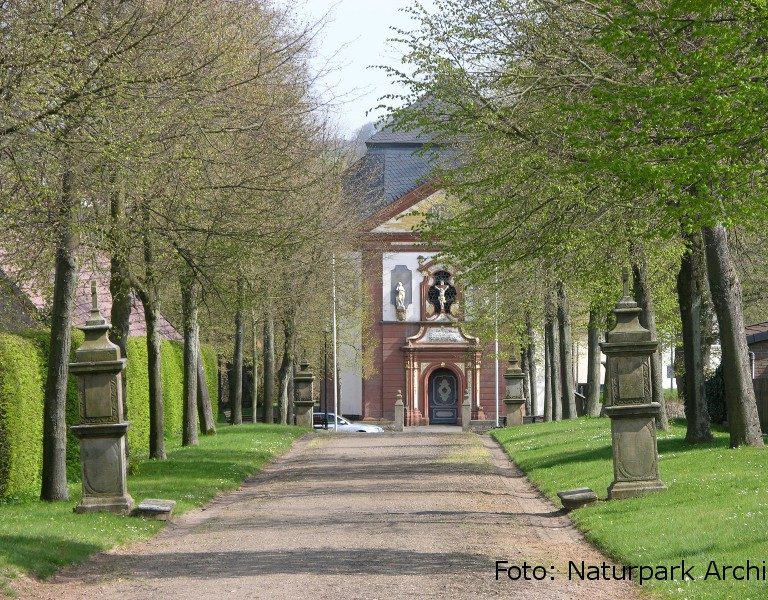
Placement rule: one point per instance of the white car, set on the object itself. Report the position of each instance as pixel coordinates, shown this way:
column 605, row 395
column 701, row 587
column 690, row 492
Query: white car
column 344, row 425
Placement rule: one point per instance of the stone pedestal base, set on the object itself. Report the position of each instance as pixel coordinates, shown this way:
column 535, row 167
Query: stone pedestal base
column 399, row 423
column 304, row 413
column 514, row 411
column 619, row 490
column 121, row 505
column 102, row 458
column 635, row 455
column 466, row 417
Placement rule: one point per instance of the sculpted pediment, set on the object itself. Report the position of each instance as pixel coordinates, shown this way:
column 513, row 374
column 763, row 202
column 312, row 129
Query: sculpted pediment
column 410, row 218
column 440, row 335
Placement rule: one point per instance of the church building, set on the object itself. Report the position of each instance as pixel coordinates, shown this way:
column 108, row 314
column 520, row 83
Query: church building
column 416, row 341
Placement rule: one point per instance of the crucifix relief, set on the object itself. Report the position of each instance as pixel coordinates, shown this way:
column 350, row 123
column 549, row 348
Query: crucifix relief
column 441, row 297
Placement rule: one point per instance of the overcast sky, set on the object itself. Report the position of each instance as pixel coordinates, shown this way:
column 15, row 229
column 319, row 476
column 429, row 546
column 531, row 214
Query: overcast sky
column 357, row 30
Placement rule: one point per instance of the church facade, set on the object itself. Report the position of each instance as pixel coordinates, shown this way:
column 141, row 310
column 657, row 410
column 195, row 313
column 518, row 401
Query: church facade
column 416, row 344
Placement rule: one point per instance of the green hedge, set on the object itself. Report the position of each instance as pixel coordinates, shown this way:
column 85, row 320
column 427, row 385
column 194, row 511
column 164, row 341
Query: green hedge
column 42, row 340
column 21, row 414
column 137, row 395
column 173, row 388
column 23, row 368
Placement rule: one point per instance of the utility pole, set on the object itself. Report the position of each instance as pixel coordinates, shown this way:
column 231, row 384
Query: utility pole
column 335, row 357
column 325, row 375
column 496, row 343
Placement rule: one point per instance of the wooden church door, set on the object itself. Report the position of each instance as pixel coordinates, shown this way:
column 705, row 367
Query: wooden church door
column 443, row 398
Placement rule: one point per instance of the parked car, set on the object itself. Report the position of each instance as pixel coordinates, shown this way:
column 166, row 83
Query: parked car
column 343, row 424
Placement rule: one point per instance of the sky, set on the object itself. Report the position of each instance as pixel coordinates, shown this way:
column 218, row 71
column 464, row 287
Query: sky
column 354, row 39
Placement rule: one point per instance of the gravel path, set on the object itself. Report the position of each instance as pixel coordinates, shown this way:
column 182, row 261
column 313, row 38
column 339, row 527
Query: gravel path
column 416, row 515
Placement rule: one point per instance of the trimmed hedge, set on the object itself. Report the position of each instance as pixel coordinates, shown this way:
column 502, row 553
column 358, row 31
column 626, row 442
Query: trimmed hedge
column 21, row 414
column 173, row 388
column 23, row 367
column 137, row 395
column 42, row 340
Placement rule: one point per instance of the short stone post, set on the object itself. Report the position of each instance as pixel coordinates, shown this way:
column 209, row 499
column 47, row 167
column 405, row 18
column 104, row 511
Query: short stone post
column 466, row 412
column 629, row 347
column 399, row 412
column 513, row 398
column 98, row 368
column 304, row 395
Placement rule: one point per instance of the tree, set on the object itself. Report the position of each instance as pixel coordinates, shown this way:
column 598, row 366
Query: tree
column 569, row 114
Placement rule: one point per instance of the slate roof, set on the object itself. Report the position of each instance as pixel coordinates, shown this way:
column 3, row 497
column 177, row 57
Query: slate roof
column 392, row 166
column 387, row 135
column 757, row 332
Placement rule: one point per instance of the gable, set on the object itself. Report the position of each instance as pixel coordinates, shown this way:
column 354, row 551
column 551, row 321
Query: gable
column 405, row 215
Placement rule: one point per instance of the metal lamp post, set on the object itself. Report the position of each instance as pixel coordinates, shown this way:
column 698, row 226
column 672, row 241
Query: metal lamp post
column 325, row 375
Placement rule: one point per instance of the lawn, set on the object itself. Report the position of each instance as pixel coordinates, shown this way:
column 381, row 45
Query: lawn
column 37, row 538
column 716, row 507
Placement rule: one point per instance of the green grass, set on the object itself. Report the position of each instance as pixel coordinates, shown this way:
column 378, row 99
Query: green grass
column 37, row 538
column 716, row 507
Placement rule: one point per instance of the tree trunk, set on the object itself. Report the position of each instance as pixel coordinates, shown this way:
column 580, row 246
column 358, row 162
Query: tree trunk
column 255, row 357
column 689, row 292
column 566, row 354
column 547, row 372
column 149, row 296
column 204, row 408
column 644, row 299
column 269, row 367
column 236, row 389
column 531, row 350
column 54, row 484
column 724, row 285
column 551, row 331
column 526, row 380
column 155, row 371
column 189, row 315
column 593, row 364
column 119, row 284
column 284, row 375
column 292, row 390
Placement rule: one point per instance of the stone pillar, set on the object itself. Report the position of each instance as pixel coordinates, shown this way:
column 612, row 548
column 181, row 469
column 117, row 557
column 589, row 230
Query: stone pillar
column 304, row 395
column 513, row 398
column 399, row 412
column 629, row 347
column 98, row 368
column 466, row 411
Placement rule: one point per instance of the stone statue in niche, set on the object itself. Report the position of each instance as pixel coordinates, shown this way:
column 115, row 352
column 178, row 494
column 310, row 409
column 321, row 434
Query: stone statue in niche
column 441, row 302
column 400, row 301
column 442, row 287
column 400, row 296
column 401, row 278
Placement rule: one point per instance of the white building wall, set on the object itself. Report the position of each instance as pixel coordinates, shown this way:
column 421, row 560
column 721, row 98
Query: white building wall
column 350, row 353
column 411, row 260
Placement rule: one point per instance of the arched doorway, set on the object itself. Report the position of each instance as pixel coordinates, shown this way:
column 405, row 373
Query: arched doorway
column 443, row 395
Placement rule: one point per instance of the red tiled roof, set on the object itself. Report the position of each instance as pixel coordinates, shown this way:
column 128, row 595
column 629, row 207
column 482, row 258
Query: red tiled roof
column 100, row 272
column 82, row 308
